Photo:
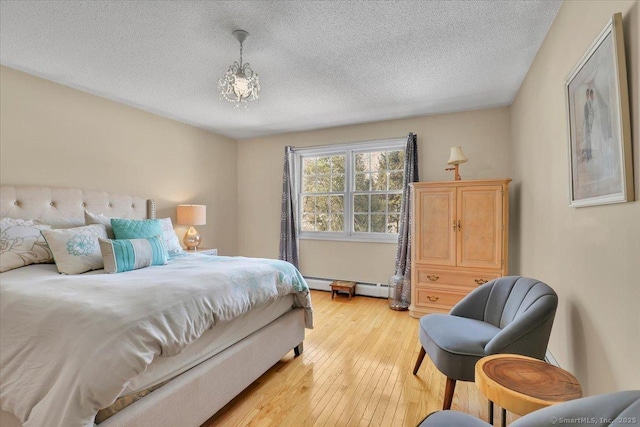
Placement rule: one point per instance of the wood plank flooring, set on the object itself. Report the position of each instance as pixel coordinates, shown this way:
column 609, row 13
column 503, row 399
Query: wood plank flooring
column 355, row 371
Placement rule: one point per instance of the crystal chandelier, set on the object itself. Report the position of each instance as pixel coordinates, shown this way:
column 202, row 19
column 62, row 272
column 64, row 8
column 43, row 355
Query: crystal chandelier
column 240, row 84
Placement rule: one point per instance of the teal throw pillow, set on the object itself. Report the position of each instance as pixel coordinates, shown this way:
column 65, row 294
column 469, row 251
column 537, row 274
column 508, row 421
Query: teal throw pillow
column 131, row 254
column 136, row 228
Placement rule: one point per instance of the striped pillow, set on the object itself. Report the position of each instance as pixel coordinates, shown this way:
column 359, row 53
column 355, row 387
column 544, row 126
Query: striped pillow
column 130, row 254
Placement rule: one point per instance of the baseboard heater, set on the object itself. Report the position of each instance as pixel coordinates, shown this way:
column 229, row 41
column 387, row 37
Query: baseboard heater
column 377, row 290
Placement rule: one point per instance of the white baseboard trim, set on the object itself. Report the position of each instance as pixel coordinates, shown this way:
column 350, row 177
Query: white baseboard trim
column 550, row 359
column 376, row 290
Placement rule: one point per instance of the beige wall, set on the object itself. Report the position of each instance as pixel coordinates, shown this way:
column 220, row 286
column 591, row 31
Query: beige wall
column 484, row 135
column 54, row 135
column 590, row 255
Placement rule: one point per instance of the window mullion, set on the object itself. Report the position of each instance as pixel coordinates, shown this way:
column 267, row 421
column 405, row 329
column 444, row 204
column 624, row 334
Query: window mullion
column 349, row 170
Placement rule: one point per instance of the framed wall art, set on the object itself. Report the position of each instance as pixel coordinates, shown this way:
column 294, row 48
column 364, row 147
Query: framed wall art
column 600, row 160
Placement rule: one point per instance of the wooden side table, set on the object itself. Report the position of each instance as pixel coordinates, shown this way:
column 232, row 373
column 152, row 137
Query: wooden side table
column 522, row 384
column 341, row 285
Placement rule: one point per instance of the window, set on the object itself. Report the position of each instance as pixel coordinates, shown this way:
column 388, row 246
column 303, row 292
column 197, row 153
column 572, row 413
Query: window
column 350, row 192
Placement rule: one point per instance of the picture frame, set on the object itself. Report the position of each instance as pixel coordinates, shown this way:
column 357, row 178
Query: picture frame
column 597, row 100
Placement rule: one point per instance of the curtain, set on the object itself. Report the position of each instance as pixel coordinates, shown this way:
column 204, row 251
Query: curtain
column 403, row 254
column 288, row 231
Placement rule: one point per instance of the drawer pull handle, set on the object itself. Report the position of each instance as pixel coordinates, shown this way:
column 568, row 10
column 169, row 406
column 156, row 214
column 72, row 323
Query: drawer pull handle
column 480, row 281
column 433, row 278
column 432, row 299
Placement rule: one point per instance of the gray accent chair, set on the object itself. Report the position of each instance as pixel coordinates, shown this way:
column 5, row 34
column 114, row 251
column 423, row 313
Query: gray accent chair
column 614, row 409
column 511, row 314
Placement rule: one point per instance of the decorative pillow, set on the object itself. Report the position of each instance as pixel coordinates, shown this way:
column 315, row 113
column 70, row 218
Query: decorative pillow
column 91, row 218
column 170, row 237
column 130, row 254
column 76, row 250
column 136, row 228
column 145, row 228
column 168, row 234
column 22, row 244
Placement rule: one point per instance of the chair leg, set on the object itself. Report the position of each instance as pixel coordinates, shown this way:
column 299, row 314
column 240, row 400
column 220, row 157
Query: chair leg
column 504, row 418
column 490, row 412
column 448, row 393
column 419, row 361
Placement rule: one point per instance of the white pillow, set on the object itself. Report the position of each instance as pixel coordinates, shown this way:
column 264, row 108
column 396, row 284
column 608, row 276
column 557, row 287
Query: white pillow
column 168, row 234
column 91, row 218
column 170, row 237
column 76, row 250
column 21, row 243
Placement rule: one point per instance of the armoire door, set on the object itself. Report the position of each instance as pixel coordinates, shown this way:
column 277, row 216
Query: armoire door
column 479, row 227
column 435, row 223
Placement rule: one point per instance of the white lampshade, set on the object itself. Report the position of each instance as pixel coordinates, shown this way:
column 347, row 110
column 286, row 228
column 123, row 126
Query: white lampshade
column 457, row 156
column 192, row 214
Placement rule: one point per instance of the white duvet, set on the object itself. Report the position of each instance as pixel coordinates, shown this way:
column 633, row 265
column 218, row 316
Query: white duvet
column 70, row 344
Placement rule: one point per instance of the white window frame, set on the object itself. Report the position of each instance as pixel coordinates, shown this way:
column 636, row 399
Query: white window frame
column 349, row 150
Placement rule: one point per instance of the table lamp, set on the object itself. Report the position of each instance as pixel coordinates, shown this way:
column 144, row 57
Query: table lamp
column 192, row 215
column 455, row 159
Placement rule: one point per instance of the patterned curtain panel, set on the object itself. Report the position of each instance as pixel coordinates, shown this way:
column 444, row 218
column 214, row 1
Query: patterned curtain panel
column 402, row 296
column 288, row 230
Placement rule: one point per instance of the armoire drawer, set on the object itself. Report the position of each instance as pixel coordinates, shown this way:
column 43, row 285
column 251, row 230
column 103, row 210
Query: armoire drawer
column 437, row 299
column 447, row 279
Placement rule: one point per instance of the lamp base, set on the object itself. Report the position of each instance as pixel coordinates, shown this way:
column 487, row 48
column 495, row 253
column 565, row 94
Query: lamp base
column 455, row 168
column 192, row 239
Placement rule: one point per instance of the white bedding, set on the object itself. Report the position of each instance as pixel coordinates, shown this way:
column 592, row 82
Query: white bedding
column 212, row 342
column 63, row 335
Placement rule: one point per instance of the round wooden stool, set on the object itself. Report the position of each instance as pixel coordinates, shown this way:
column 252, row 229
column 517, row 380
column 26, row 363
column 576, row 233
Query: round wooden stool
column 522, row 384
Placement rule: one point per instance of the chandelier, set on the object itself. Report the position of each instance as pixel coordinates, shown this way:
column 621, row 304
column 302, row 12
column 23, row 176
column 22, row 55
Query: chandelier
column 240, row 84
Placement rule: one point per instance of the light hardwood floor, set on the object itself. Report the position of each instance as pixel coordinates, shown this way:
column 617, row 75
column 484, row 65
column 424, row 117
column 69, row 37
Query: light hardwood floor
column 355, row 371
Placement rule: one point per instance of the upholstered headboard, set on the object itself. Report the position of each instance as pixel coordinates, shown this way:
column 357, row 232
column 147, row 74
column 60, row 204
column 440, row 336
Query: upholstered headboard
column 64, row 207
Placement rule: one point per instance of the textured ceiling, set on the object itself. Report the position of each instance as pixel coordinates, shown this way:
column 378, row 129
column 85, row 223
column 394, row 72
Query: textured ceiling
column 320, row 63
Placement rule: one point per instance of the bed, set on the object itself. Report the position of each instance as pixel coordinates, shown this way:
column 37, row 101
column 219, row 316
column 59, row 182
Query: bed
column 182, row 370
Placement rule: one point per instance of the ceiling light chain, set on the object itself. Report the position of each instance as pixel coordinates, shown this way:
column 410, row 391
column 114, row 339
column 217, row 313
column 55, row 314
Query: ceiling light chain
column 240, row 83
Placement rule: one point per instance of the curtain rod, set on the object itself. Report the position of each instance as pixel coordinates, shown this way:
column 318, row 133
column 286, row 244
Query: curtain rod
column 338, row 145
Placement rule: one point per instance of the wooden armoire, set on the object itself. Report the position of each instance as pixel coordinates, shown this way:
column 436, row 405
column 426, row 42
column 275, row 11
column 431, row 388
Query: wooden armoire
column 459, row 241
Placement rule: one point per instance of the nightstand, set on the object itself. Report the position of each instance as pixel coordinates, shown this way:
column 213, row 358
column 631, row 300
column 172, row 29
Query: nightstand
column 212, row 252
